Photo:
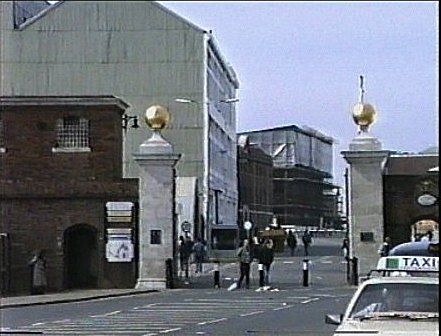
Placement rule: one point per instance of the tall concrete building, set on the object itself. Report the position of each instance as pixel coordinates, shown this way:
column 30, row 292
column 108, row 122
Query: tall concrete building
column 144, row 54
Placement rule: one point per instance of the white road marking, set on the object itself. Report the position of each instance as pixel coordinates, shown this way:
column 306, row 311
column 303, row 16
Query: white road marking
column 298, row 297
column 107, row 314
column 38, row 323
column 213, row 321
column 146, row 306
column 310, row 300
column 252, row 313
column 169, row 330
column 61, row 321
column 280, row 308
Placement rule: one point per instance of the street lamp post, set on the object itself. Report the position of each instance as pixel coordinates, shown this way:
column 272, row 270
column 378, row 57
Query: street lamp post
column 126, row 121
column 349, row 252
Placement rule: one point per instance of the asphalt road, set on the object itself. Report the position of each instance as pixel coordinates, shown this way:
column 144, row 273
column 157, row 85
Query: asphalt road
column 200, row 309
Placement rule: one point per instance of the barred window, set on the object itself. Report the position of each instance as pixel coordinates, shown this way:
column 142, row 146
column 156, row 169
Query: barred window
column 72, row 134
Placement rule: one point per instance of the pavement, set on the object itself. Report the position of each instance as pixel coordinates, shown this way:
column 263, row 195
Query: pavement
column 196, row 280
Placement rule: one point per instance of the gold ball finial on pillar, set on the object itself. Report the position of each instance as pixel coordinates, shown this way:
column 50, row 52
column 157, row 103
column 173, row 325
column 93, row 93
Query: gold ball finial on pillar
column 157, row 117
column 364, row 114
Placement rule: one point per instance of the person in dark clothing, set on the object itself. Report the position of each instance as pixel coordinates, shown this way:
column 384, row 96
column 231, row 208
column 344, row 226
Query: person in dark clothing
column 291, row 241
column 199, row 254
column 266, row 257
column 184, row 254
column 306, row 240
column 245, row 258
column 385, row 248
column 181, row 243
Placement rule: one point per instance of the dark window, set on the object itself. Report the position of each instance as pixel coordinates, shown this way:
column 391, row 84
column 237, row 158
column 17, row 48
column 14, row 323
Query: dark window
column 155, row 237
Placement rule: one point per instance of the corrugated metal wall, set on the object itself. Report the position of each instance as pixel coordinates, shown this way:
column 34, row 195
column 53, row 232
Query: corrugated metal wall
column 289, row 146
column 137, row 51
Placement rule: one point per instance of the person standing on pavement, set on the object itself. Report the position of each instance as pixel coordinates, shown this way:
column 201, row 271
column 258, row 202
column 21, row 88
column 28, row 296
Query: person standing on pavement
column 345, row 248
column 306, row 240
column 199, row 254
column 181, row 247
column 245, row 258
column 185, row 253
column 266, row 257
column 385, row 248
column 291, row 241
column 38, row 273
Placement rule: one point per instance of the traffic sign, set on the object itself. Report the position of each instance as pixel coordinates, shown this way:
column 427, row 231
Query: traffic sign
column 247, row 225
column 185, row 226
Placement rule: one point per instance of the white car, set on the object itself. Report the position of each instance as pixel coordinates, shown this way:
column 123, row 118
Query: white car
column 402, row 300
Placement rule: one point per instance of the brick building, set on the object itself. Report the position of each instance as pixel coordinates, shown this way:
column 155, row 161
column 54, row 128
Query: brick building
column 61, row 163
column 411, row 195
column 255, row 185
column 146, row 54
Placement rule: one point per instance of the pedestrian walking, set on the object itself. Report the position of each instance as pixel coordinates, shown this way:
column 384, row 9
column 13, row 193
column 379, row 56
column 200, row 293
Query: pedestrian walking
column 291, row 241
column 181, row 252
column 345, row 248
column 266, row 257
column 199, row 254
column 385, row 248
column 307, row 241
column 38, row 273
column 245, row 258
column 185, row 249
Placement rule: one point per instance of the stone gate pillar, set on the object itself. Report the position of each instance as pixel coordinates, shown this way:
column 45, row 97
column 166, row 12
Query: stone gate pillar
column 366, row 159
column 156, row 202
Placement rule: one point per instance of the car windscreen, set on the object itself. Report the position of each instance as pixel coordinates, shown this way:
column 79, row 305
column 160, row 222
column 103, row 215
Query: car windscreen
column 397, row 297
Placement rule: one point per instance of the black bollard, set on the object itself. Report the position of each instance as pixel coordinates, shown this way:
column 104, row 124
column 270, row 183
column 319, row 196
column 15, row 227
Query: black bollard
column 169, row 273
column 305, row 272
column 216, row 275
column 261, row 275
column 355, row 271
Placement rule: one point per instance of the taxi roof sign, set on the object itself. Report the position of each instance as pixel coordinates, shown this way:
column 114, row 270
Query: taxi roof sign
column 408, row 263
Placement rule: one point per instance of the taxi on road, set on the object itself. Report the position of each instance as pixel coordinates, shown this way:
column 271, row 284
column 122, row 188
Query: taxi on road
column 399, row 297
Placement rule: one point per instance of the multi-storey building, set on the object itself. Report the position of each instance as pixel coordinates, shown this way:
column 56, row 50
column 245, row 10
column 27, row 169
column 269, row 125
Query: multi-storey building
column 60, row 186
column 145, row 54
column 303, row 161
column 255, row 185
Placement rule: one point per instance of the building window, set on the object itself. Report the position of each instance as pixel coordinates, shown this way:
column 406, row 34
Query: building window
column 72, row 135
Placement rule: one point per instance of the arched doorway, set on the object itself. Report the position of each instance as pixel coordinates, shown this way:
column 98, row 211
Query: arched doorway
column 421, row 227
column 80, row 256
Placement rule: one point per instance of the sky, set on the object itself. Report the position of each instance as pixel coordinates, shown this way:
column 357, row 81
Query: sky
column 300, row 63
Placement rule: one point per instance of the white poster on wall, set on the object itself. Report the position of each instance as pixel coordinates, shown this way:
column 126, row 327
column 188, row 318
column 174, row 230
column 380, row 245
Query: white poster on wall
column 119, row 247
